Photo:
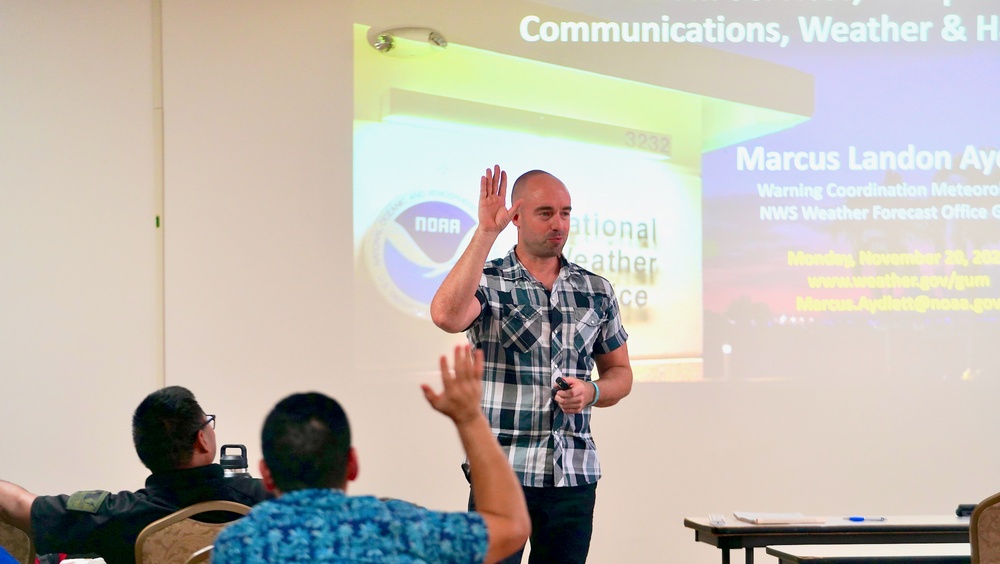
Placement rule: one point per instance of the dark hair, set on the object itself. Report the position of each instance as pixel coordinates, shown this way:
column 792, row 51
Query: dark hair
column 522, row 180
column 306, row 441
column 165, row 426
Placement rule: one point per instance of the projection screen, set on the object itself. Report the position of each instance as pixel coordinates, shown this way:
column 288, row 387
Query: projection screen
column 785, row 189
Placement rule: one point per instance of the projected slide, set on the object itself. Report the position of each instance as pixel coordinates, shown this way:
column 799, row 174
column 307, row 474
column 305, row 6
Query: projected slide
column 775, row 189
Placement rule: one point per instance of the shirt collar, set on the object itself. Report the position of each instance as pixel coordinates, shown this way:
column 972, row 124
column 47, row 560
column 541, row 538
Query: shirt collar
column 186, row 476
column 512, row 269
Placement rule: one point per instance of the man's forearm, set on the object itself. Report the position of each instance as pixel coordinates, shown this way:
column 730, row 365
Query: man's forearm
column 15, row 506
column 615, row 371
column 615, row 384
column 451, row 306
column 494, row 486
column 496, row 489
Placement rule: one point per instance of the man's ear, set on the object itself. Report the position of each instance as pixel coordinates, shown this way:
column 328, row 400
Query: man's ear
column 202, row 445
column 515, row 212
column 265, row 476
column 352, row 465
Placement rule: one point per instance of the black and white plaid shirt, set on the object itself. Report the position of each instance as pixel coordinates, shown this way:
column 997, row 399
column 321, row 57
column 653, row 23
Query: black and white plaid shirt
column 530, row 336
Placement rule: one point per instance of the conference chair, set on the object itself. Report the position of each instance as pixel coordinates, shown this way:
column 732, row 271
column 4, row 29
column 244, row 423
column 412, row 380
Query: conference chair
column 176, row 537
column 984, row 531
column 17, row 543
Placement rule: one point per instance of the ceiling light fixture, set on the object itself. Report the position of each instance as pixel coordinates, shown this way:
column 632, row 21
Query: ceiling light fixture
column 407, row 41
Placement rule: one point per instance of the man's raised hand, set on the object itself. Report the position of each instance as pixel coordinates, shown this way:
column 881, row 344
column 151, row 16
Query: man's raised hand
column 493, row 213
column 462, row 389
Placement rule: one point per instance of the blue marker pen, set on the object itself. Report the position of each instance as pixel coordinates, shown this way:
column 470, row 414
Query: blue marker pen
column 858, row 519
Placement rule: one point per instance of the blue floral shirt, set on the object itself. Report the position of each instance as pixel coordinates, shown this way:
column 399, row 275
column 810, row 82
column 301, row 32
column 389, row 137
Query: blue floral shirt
column 324, row 525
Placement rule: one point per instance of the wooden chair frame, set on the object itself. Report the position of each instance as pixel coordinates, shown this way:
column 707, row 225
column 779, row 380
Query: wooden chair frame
column 16, row 542
column 974, row 538
column 183, row 515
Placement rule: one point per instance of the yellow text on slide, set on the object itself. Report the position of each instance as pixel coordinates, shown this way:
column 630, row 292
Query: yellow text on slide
column 892, row 280
column 918, row 304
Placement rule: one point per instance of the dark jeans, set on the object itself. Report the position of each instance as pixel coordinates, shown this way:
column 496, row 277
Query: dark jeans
column 562, row 521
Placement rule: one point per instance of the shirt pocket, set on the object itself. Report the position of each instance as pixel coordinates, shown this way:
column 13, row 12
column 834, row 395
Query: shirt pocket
column 521, row 327
column 587, row 326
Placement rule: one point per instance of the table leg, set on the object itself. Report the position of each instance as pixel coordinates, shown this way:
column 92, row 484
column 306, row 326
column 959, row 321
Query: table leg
column 749, row 551
column 725, row 556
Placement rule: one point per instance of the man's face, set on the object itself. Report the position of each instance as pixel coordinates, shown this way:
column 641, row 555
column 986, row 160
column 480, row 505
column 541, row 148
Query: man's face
column 543, row 219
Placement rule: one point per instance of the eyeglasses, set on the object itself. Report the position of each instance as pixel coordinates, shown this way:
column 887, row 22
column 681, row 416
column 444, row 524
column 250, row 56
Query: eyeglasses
column 209, row 420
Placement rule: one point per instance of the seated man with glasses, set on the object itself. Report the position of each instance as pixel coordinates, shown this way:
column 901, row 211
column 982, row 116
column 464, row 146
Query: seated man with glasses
column 175, row 439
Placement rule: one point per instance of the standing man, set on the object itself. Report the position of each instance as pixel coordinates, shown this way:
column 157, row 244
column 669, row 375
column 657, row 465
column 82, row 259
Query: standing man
column 538, row 317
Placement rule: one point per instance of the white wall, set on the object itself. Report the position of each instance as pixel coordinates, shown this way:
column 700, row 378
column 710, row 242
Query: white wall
column 257, row 255
column 256, row 223
column 79, row 265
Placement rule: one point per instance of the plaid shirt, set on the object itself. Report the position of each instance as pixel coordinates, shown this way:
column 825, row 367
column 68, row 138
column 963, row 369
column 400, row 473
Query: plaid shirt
column 530, row 336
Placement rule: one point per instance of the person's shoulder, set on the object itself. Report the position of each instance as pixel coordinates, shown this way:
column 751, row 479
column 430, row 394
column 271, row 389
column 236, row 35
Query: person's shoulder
column 248, row 491
column 504, row 269
column 594, row 281
column 396, row 504
column 496, row 267
column 501, row 265
column 462, row 529
column 404, row 508
column 581, row 271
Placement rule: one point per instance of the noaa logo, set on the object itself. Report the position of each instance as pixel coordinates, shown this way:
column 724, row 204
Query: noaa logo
column 413, row 244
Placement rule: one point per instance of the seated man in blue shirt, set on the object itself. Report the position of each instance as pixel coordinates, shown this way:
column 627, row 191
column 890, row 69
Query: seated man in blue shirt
column 308, row 461
column 175, row 439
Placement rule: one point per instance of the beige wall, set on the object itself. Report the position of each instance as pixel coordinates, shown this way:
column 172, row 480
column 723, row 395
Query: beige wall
column 80, row 321
column 256, row 251
column 257, row 203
